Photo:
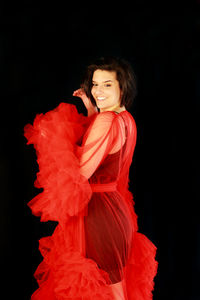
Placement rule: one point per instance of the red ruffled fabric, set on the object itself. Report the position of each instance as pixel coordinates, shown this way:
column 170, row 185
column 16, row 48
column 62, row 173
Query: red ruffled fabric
column 65, row 272
column 141, row 269
column 54, row 136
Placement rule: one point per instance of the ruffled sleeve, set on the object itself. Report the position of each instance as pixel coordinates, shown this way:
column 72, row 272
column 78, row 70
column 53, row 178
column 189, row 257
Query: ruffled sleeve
column 55, row 136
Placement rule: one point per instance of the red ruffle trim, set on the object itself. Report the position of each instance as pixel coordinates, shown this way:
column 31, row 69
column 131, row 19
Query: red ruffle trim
column 141, row 269
column 66, row 274
column 55, row 135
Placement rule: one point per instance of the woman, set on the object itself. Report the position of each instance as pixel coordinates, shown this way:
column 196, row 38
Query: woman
column 95, row 251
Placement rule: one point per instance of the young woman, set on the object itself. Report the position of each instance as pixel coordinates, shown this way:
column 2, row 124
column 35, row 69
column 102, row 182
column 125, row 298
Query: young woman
column 96, row 251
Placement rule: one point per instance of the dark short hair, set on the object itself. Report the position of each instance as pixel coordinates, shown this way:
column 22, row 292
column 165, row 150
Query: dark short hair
column 125, row 76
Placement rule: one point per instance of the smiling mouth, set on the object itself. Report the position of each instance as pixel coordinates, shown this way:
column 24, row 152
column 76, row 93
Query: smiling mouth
column 101, row 98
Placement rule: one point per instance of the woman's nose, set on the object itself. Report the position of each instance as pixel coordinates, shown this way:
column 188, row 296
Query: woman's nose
column 99, row 90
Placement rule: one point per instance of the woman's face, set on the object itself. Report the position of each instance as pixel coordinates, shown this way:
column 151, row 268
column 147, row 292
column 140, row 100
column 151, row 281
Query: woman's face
column 106, row 90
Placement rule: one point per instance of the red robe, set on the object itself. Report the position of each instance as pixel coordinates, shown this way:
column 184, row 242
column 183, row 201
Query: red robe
column 84, row 172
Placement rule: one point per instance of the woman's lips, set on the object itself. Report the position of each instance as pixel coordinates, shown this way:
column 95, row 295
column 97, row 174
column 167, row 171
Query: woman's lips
column 100, row 98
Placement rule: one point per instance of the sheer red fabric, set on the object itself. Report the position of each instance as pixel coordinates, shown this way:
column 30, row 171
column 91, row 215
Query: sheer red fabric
column 84, row 172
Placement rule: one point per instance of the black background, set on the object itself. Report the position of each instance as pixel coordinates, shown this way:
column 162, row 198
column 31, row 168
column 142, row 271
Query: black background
column 44, row 48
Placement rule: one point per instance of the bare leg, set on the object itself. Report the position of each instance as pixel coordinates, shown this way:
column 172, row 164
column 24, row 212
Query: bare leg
column 117, row 290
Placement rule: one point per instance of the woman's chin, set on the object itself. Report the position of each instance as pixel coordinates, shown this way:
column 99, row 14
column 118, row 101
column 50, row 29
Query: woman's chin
column 100, row 104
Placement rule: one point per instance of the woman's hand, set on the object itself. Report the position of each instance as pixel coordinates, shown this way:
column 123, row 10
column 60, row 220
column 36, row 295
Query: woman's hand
column 91, row 109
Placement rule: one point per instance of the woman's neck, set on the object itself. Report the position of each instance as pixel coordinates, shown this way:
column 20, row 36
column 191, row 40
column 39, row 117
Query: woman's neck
column 116, row 108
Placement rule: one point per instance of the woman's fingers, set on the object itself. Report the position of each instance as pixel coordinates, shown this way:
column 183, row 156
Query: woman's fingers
column 78, row 93
column 88, row 104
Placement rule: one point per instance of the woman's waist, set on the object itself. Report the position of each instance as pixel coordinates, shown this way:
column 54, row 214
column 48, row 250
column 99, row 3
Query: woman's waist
column 104, row 187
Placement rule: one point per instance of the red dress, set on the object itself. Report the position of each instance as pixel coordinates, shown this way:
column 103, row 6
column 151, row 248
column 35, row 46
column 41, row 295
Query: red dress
column 84, row 172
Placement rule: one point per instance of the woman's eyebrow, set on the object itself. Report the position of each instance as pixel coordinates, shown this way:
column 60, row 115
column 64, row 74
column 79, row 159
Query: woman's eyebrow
column 104, row 81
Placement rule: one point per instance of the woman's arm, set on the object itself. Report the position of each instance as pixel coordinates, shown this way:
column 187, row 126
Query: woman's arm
column 91, row 109
column 98, row 141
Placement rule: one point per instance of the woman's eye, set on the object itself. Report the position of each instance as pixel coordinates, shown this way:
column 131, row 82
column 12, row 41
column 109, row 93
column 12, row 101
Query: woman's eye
column 104, row 85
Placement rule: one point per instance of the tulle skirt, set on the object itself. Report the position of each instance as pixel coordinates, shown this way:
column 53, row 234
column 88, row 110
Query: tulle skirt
column 108, row 233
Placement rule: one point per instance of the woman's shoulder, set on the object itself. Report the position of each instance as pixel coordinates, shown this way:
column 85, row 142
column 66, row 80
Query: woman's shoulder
column 107, row 118
column 109, row 115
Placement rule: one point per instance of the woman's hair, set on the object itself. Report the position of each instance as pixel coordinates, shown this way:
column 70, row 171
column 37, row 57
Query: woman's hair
column 125, row 76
